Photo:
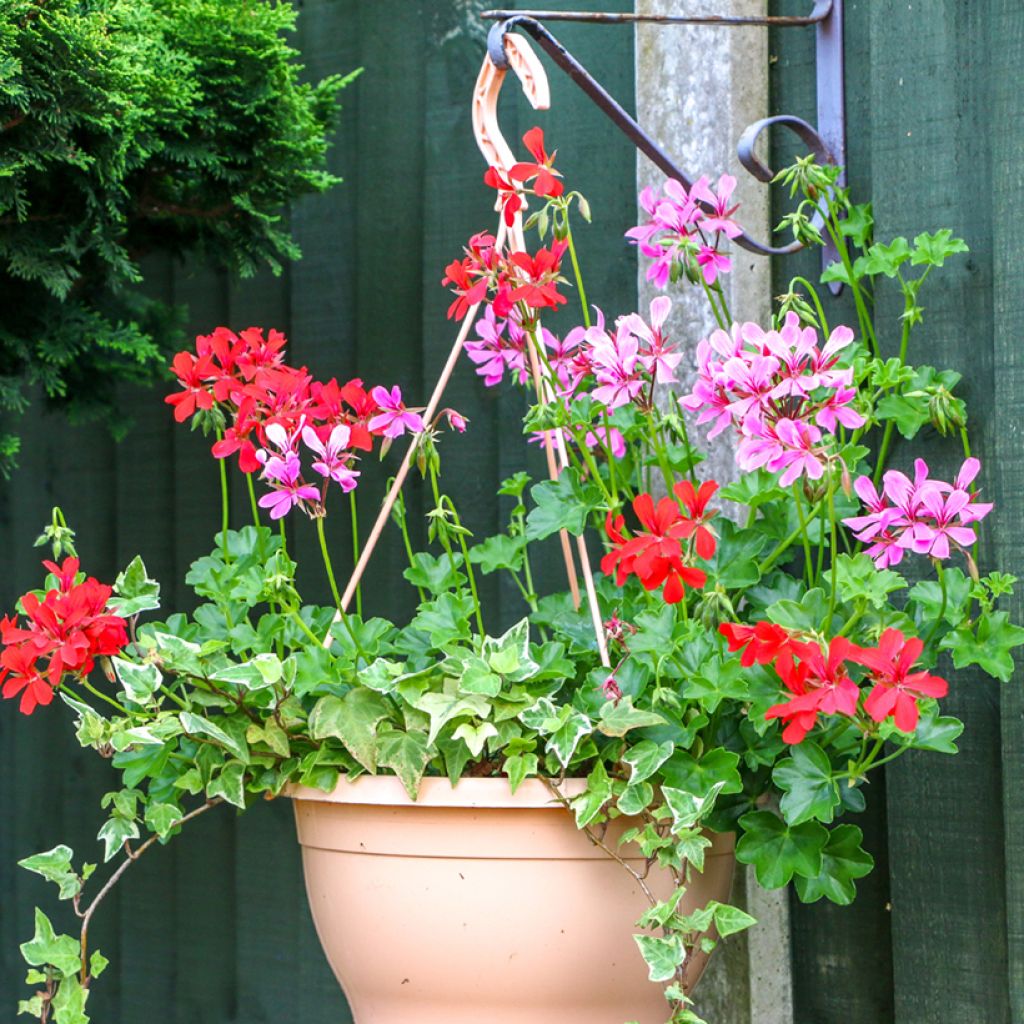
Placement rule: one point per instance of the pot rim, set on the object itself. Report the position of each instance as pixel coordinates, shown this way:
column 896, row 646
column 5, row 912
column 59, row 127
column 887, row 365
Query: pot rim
column 437, row 791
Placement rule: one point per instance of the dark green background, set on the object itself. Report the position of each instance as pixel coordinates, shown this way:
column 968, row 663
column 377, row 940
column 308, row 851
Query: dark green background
column 214, row 928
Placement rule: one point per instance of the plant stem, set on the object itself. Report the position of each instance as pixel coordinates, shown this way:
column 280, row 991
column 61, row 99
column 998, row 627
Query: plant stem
column 225, row 506
column 469, row 565
column 808, row 561
column 784, row 545
column 252, row 500
column 404, row 528
column 355, row 548
column 325, row 554
column 102, row 696
column 576, row 270
column 833, row 552
column 942, row 606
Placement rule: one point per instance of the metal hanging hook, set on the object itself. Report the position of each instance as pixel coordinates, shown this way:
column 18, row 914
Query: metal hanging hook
column 827, row 141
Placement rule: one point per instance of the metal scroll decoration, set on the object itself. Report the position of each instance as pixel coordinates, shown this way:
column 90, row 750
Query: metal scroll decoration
column 827, row 140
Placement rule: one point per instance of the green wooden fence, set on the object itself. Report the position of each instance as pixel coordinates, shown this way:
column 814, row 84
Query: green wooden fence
column 214, row 929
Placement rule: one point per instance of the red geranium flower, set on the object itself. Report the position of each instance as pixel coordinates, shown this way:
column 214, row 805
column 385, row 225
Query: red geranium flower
column 508, row 193
column 534, row 279
column 696, row 503
column 763, row 642
column 897, row 689
column 546, row 181
column 655, row 556
column 192, row 373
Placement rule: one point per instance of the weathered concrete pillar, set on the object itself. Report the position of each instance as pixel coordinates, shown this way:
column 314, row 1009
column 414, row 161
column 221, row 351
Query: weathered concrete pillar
column 697, row 88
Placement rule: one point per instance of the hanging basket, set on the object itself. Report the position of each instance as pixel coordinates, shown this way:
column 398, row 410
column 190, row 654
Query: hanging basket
column 476, row 906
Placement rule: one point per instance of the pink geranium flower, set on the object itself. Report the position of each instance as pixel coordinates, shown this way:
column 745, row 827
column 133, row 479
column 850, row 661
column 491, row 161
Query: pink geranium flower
column 285, row 474
column 333, row 458
column 394, row 419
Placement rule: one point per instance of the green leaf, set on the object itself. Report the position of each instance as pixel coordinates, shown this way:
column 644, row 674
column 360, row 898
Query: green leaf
column 805, row 616
column 116, row 831
column 445, row 619
column 140, row 682
column 843, row 861
column 562, row 504
column 566, row 738
column 474, row 675
column 98, row 963
column 989, row 648
column 619, row 717
column 858, row 223
column 884, row 259
column 435, row 575
column 730, row 920
column 588, row 805
column 933, row 249
column 161, row 818
column 196, row 725
column 926, row 598
column 259, row 672
column 936, row 732
column 352, row 719
column 645, row 758
column 444, row 707
column 46, row 947
column 518, row 767
column 779, row 851
column 699, row 777
column 735, row 561
column 229, row 784
column 406, row 754
column 717, row 680
column 909, row 412
column 475, row 736
column 69, row 1002
column 636, row 797
column 688, row 808
column 859, row 579
column 809, row 790
column 663, row 956
column 499, row 552
column 135, row 591
column 55, row 866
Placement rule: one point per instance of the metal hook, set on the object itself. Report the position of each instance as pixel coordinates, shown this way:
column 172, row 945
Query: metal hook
column 827, row 141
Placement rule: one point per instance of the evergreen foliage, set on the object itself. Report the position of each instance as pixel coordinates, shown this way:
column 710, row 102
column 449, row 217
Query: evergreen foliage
column 128, row 128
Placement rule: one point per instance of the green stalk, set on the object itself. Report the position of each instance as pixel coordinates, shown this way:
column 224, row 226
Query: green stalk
column 403, row 526
column 469, row 566
column 102, row 696
column 808, row 566
column 355, row 548
column 834, row 552
column 711, row 301
column 863, row 316
column 784, row 545
column 334, row 587
column 225, row 506
column 297, row 619
column 942, row 606
column 576, row 270
column 252, row 500
column 811, row 291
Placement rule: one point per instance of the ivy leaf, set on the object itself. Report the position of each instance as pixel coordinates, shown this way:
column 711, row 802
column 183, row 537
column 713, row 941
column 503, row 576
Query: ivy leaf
column 843, row 861
column 989, row 648
column 69, row 1002
column 663, row 956
column 257, row 673
column 55, row 866
column 619, row 717
column 687, row 808
column 161, row 818
column 134, row 591
column 587, row 806
column 779, row 851
column 406, row 754
column 562, row 504
column 46, row 947
column 933, row 249
column 229, row 784
column 352, row 719
column 475, row 736
column 499, row 552
column 196, row 725
column 859, row 579
column 444, row 707
column 116, row 831
column 636, row 797
column 140, row 682
column 518, row 767
column 646, row 758
column 435, row 575
column 730, row 920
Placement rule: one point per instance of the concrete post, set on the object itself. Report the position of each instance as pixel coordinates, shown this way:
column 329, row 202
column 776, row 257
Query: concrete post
column 697, row 88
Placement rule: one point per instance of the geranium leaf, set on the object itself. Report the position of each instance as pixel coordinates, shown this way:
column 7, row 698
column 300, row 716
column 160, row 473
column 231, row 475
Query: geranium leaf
column 859, row 579
column 779, row 851
column 562, row 504
column 809, row 790
column 989, row 648
column 843, row 861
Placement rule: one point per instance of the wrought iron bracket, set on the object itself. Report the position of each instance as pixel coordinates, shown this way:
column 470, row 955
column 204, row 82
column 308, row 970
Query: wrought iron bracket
column 827, row 140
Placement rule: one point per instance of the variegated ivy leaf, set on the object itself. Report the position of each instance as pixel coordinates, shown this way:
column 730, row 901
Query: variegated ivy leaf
column 475, row 736
column 619, row 717
column 564, row 727
column 663, row 956
column 352, row 719
column 688, row 809
column 196, row 725
column 645, row 758
column 178, row 654
column 518, row 767
column 46, row 947
column 407, row 755
column 380, row 675
column 55, row 866
column 509, row 654
column 140, row 682
column 587, row 806
column 444, row 707
column 134, row 591
column 258, row 672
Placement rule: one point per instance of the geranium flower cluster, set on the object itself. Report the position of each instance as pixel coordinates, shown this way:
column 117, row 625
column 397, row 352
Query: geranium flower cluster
column 540, row 171
column 272, row 410
column 504, row 277
column 662, row 553
column 820, row 682
column 66, row 631
column 685, row 229
column 779, row 391
column 925, row 516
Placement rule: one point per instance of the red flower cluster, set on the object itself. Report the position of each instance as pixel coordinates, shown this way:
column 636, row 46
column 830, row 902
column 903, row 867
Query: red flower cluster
column 545, row 177
column 821, row 683
column 510, row 277
column 246, row 376
column 68, row 629
column 656, row 555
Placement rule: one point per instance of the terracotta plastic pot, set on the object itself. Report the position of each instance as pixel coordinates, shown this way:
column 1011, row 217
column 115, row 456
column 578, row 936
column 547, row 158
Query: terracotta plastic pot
column 476, row 906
